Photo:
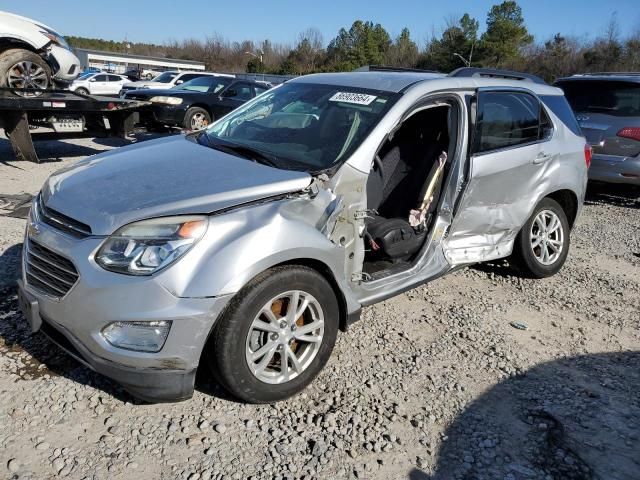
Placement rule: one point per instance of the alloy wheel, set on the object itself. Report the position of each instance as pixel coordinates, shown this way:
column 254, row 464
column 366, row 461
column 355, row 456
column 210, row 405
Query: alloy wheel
column 199, row 121
column 547, row 237
column 285, row 337
column 26, row 74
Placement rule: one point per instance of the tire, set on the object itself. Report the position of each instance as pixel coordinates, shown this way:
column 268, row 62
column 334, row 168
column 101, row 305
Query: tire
column 18, row 62
column 82, row 91
column 235, row 338
column 529, row 257
column 196, row 118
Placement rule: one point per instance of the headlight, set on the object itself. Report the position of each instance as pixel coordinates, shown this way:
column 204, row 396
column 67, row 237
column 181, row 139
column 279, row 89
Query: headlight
column 55, row 38
column 143, row 248
column 166, row 100
column 140, row 336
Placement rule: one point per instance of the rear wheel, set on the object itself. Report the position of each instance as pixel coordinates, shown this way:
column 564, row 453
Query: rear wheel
column 542, row 246
column 196, row 118
column 276, row 335
column 22, row 69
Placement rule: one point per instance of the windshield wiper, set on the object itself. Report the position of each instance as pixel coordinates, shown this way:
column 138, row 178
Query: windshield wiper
column 242, row 150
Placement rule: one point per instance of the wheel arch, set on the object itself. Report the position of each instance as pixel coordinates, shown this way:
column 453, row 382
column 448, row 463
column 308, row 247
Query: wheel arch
column 568, row 200
column 204, row 106
column 9, row 43
column 324, row 270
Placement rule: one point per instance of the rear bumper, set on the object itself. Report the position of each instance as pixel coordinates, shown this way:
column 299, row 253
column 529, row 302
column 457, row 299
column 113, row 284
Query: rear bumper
column 610, row 169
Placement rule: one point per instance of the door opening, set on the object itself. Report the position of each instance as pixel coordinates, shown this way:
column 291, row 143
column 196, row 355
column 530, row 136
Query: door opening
column 403, row 189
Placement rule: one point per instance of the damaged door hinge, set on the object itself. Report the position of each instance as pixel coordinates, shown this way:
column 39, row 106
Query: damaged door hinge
column 362, row 214
column 360, row 277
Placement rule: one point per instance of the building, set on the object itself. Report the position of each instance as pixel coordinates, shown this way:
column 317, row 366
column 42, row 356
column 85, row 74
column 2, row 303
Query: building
column 120, row 62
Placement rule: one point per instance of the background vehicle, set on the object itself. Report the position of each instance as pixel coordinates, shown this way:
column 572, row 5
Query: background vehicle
column 33, row 56
column 250, row 244
column 99, row 84
column 196, row 103
column 607, row 107
column 168, row 79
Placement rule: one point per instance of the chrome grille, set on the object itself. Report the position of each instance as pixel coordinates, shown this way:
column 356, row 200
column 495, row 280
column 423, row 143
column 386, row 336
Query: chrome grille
column 61, row 222
column 47, row 271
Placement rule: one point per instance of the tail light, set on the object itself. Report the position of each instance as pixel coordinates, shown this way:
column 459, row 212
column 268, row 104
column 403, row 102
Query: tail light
column 630, row 132
column 588, row 153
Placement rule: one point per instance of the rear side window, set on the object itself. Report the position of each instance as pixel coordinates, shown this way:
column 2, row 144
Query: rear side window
column 506, row 119
column 561, row 109
column 617, row 98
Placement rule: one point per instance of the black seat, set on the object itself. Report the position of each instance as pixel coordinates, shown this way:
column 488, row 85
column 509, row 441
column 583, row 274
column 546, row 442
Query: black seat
column 398, row 182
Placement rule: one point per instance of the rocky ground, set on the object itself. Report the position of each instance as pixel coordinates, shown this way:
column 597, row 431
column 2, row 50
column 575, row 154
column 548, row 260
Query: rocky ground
column 432, row 384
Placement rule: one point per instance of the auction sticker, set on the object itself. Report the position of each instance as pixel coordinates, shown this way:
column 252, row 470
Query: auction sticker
column 357, row 98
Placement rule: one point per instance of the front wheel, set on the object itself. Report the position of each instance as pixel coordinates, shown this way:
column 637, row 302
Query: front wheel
column 276, row 335
column 82, row 91
column 542, row 246
column 196, row 118
column 25, row 71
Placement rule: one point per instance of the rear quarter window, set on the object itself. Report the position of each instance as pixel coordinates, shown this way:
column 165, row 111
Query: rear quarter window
column 560, row 107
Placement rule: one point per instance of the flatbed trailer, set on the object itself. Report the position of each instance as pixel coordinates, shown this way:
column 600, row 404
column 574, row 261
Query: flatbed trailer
column 67, row 112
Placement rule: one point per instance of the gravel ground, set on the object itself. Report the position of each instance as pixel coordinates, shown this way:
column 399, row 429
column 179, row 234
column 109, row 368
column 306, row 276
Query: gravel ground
column 432, row 384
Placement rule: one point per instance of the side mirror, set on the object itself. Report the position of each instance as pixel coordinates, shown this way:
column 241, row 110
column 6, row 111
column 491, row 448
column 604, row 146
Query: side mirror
column 92, row 80
column 229, row 93
column 178, row 82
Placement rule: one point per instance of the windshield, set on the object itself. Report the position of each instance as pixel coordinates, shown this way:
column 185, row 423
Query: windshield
column 165, row 77
column 205, row 84
column 304, row 126
column 620, row 99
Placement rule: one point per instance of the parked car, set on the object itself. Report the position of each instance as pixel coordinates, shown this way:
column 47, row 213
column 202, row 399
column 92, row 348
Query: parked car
column 194, row 104
column 166, row 80
column 33, row 56
column 607, row 106
column 99, row 84
column 248, row 245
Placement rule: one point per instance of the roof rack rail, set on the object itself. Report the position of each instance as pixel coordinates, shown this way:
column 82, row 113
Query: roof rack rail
column 383, row 68
column 467, row 72
column 605, row 74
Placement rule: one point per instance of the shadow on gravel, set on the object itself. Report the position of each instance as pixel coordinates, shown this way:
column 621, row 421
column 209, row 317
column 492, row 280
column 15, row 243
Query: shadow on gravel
column 499, row 267
column 627, row 196
column 576, row 418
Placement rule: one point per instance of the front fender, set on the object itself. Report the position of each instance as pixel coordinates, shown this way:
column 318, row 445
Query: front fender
column 242, row 243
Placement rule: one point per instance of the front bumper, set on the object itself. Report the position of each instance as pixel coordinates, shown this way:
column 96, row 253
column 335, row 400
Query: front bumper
column 98, row 298
column 166, row 114
column 68, row 64
column 615, row 169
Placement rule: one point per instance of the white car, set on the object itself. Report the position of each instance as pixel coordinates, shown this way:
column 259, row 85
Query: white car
column 99, row 84
column 33, row 56
column 169, row 79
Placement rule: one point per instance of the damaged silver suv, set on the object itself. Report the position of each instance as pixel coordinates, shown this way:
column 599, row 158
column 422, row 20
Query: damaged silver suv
column 247, row 246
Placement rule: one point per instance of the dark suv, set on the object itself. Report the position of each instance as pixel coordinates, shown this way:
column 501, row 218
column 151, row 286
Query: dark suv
column 196, row 103
column 607, row 107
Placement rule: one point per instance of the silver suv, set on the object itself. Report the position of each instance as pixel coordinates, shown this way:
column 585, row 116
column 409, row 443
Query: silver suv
column 248, row 245
column 607, row 106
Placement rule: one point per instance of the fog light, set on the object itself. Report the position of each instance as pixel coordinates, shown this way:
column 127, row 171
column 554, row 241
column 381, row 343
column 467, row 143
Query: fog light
column 139, row 336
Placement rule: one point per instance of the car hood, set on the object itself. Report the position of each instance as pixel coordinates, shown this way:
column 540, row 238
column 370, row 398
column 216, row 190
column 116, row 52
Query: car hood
column 168, row 176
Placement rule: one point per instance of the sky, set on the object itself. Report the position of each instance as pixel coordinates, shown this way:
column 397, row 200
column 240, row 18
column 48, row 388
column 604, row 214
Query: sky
column 158, row 21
